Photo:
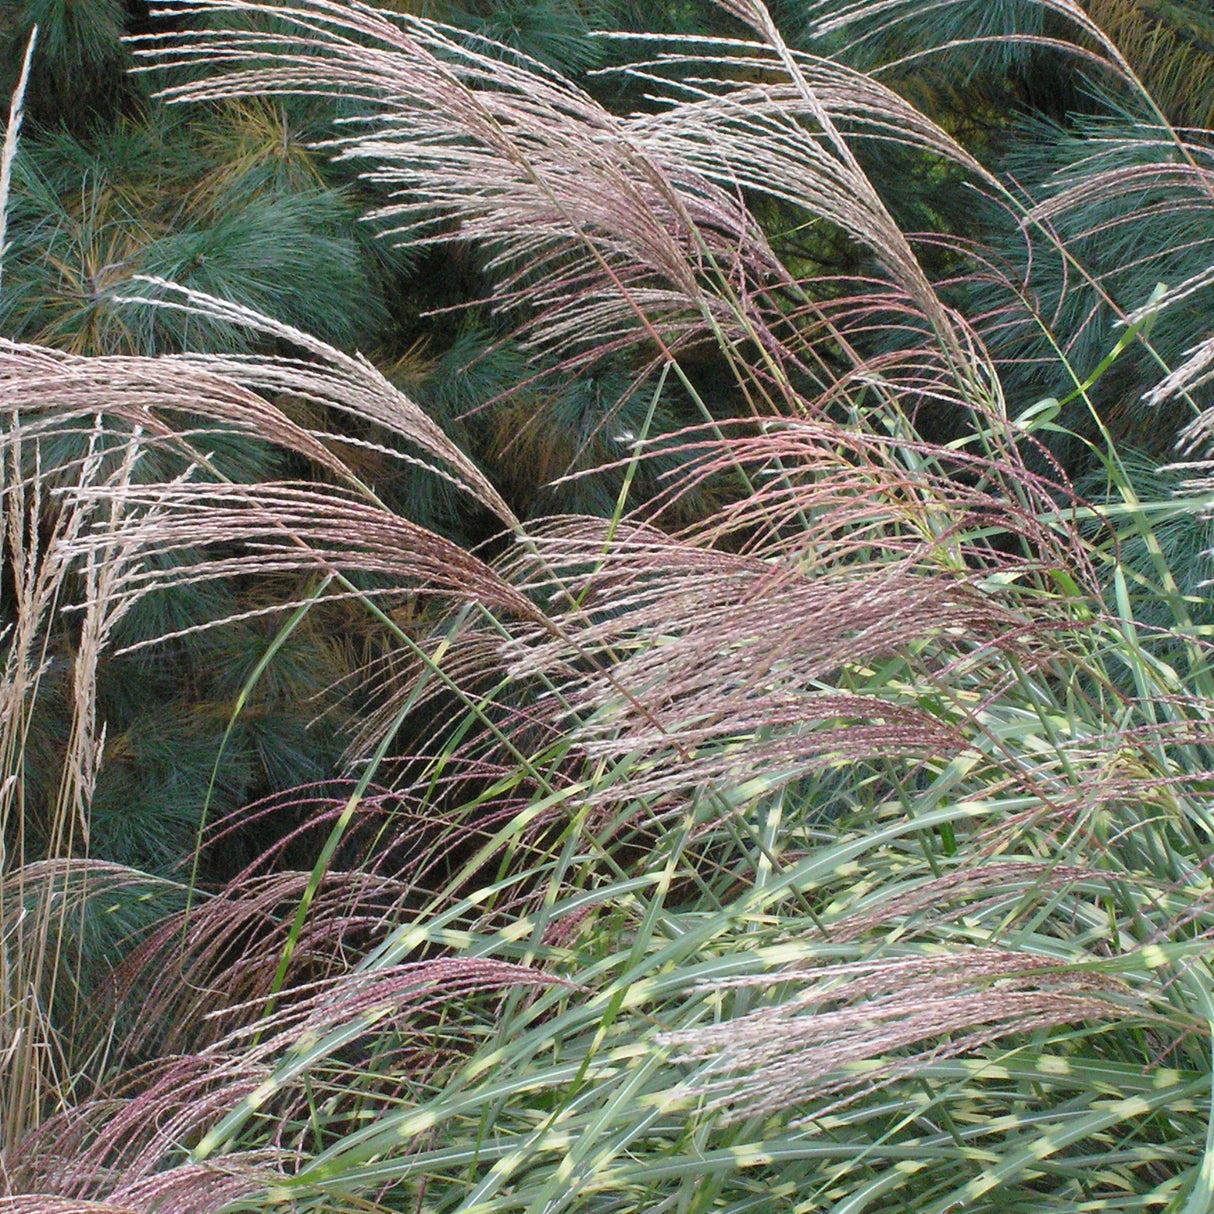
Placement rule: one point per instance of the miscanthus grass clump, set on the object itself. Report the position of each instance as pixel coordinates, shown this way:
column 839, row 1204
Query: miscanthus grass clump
column 843, row 848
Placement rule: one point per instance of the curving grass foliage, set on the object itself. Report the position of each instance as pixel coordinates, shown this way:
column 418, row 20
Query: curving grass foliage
column 843, row 848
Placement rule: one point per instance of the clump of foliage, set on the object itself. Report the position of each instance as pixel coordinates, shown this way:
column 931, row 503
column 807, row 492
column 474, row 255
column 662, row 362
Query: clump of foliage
column 821, row 820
